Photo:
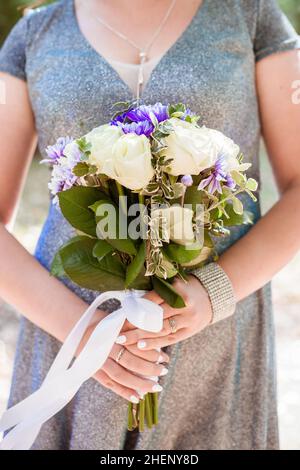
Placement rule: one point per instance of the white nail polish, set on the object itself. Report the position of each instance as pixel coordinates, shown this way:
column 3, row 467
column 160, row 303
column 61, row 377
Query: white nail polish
column 157, row 388
column 141, row 344
column 164, row 372
column 161, row 359
column 134, row 399
column 121, row 339
column 154, row 378
column 141, row 394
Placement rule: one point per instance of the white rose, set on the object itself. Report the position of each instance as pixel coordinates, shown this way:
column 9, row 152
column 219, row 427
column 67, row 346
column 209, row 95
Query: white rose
column 102, row 140
column 194, row 149
column 177, row 223
column 130, row 162
column 226, row 148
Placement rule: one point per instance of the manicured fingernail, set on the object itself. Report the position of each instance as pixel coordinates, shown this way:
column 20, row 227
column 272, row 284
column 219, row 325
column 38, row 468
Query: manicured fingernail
column 157, row 388
column 141, row 344
column 164, row 372
column 121, row 339
column 161, row 359
column 141, row 394
column 134, row 399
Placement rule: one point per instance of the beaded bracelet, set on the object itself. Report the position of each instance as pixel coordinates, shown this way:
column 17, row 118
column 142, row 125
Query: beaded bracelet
column 219, row 289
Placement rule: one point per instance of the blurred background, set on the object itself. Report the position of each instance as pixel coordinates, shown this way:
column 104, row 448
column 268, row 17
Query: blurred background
column 286, row 293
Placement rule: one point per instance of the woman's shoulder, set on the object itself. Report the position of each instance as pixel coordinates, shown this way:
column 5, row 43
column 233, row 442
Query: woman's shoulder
column 39, row 19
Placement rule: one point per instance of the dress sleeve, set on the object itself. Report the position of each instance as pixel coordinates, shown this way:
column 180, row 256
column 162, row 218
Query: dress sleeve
column 274, row 32
column 13, row 51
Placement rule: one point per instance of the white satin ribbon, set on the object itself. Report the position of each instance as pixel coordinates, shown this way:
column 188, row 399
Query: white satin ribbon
column 63, row 381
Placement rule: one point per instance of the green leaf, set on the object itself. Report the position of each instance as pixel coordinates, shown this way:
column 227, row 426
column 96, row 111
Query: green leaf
column 167, row 292
column 101, row 249
column 176, row 110
column 193, row 196
column 84, row 269
column 56, row 266
column 125, row 245
column 251, row 184
column 136, row 266
column 180, row 254
column 237, row 205
column 238, row 177
column 74, row 204
column 83, row 145
column 83, row 169
column 236, row 219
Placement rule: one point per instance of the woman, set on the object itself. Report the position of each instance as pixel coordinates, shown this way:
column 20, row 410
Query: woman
column 235, row 63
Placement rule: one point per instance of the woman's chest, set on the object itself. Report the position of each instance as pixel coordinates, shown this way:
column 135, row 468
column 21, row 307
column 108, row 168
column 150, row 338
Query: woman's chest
column 73, row 88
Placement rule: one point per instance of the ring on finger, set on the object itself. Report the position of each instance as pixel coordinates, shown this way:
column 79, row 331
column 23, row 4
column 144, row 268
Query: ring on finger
column 120, row 354
column 173, row 324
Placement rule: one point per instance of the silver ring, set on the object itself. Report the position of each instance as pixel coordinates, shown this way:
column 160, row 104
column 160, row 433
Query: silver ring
column 120, row 354
column 173, row 324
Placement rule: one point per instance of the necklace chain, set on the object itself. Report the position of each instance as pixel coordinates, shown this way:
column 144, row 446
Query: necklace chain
column 143, row 51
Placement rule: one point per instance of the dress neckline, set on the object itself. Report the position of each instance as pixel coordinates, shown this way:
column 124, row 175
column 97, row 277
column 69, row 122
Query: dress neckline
column 180, row 39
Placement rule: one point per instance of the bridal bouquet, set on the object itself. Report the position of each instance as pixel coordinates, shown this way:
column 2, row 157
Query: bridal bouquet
column 147, row 193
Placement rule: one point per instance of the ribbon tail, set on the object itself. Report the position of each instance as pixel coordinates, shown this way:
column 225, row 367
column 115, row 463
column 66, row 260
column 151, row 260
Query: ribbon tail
column 23, row 410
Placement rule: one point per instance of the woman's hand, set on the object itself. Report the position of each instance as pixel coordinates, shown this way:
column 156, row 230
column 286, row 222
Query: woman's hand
column 179, row 323
column 122, row 370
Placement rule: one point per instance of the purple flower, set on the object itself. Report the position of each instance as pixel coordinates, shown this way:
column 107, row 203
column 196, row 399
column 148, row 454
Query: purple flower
column 73, row 154
column 144, row 112
column 187, row 180
column 142, row 117
column 62, row 179
column 118, row 119
column 142, row 127
column 188, row 112
column 54, row 152
column 218, row 176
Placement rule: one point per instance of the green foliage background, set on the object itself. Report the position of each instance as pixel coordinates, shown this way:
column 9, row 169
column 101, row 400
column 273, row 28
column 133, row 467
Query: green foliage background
column 11, row 10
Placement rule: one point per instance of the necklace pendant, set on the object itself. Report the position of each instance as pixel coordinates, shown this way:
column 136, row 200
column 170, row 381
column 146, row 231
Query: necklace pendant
column 143, row 56
column 141, row 76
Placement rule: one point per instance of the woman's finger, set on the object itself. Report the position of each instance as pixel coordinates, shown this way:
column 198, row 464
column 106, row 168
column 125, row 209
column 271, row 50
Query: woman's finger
column 128, row 379
column 172, row 312
column 134, row 336
column 164, row 341
column 124, row 392
column 154, row 297
column 136, row 364
column 152, row 356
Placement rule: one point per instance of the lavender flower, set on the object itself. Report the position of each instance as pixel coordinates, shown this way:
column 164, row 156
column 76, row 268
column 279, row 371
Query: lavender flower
column 142, row 127
column 62, row 178
column 54, row 152
column 142, row 117
column 144, row 112
column 187, row 180
column 219, row 174
column 73, row 154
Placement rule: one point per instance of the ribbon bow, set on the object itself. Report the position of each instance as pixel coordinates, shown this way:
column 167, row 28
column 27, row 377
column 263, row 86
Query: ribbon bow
column 63, row 381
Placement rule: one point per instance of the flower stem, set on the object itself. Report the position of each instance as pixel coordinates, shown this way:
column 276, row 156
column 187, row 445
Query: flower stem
column 217, row 204
column 122, row 200
column 141, row 416
column 149, row 410
column 130, row 418
column 142, row 213
column 155, row 407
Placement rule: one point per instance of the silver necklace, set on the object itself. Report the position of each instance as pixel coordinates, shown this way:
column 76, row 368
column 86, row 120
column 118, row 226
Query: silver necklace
column 143, row 51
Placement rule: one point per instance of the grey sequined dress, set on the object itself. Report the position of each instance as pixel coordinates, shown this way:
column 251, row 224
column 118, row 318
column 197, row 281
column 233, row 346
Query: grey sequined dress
column 220, row 392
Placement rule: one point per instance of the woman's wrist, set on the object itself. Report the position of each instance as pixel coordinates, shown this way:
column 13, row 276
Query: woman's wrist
column 219, row 289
